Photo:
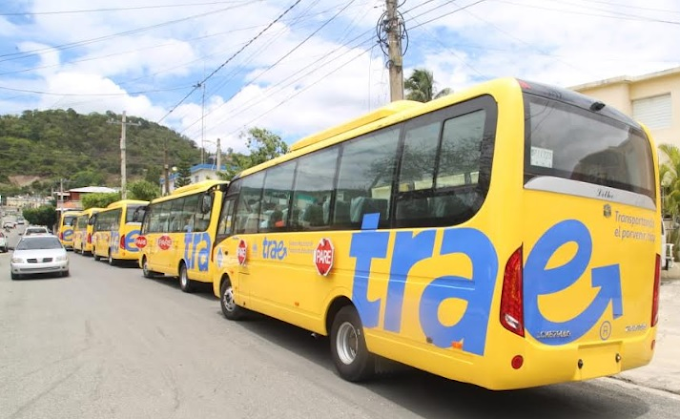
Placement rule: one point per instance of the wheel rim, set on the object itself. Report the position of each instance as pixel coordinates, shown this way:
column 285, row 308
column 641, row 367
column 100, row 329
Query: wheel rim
column 110, row 258
column 145, row 268
column 183, row 277
column 228, row 299
column 347, row 343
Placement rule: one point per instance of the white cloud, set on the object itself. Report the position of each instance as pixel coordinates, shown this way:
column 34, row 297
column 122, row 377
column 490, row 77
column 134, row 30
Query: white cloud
column 492, row 39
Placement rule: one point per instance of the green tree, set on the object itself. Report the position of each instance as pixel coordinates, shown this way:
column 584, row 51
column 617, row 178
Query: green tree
column 87, row 178
column 183, row 174
column 153, row 174
column 99, row 200
column 420, row 86
column 143, row 190
column 669, row 175
column 45, row 215
column 262, row 144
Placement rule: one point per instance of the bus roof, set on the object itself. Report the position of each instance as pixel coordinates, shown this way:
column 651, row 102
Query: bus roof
column 125, row 202
column 378, row 114
column 192, row 189
column 385, row 117
column 91, row 211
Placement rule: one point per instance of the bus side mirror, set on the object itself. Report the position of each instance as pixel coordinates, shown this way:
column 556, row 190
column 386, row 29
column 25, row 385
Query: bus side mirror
column 206, row 204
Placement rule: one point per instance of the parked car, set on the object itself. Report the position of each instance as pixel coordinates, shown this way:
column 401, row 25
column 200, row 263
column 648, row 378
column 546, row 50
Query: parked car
column 21, row 221
column 35, row 230
column 9, row 225
column 39, row 253
column 3, row 243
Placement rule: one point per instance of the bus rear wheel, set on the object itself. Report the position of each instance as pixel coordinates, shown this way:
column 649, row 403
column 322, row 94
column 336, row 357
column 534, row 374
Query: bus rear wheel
column 95, row 255
column 229, row 307
column 148, row 273
column 348, row 347
column 111, row 260
column 185, row 284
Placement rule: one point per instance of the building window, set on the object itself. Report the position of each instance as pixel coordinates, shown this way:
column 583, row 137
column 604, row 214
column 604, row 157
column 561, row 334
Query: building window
column 654, row 112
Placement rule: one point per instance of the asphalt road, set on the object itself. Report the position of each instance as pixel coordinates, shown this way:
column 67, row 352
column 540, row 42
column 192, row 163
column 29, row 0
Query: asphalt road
column 107, row 343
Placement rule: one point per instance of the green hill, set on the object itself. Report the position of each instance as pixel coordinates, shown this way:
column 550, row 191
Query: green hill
column 57, row 144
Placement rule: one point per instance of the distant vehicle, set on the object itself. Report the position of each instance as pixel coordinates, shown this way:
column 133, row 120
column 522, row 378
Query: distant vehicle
column 3, row 243
column 39, row 254
column 115, row 231
column 8, row 225
column 21, row 221
column 66, row 223
column 35, row 230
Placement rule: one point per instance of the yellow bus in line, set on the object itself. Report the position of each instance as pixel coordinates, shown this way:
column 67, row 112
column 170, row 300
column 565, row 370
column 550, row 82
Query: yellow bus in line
column 65, row 227
column 115, row 231
column 506, row 236
column 82, row 236
column 178, row 233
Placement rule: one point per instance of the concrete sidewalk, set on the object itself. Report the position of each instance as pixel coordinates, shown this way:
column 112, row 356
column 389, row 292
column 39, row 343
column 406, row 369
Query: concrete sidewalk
column 663, row 373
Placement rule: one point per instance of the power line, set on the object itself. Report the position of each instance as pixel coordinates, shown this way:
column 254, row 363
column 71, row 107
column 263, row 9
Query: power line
column 91, row 94
column 287, row 54
column 70, row 45
column 116, row 9
column 615, row 15
column 230, row 58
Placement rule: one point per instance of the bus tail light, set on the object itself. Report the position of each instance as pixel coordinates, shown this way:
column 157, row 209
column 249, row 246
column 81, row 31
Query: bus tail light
column 655, row 298
column 89, row 238
column 512, row 297
column 61, row 235
column 122, row 242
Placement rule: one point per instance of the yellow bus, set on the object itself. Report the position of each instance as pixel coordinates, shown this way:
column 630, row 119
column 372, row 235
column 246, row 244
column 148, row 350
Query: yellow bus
column 82, row 236
column 506, row 236
column 178, row 233
column 65, row 227
column 115, row 231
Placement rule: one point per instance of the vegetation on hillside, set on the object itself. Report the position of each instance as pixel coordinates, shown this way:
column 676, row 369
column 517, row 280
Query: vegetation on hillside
column 85, row 149
column 262, row 145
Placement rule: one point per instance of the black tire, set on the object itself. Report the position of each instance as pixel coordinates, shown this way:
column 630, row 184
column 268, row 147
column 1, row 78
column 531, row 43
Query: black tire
column 229, row 307
column 111, row 260
column 15, row 276
column 95, row 255
column 185, row 284
column 348, row 347
column 148, row 273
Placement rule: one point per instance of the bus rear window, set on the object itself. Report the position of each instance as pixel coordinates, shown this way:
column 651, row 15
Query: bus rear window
column 569, row 142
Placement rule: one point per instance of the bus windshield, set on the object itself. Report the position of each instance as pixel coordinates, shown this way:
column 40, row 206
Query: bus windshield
column 572, row 143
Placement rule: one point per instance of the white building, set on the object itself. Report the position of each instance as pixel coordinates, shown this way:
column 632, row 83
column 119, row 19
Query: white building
column 199, row 173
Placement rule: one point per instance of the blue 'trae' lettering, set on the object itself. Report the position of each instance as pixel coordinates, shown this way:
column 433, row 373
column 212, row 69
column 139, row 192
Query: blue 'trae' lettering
column 197, row 251
column 541, row 281
column 271, row 249
column 410, row 249
column 130, row 238
column 114, row 241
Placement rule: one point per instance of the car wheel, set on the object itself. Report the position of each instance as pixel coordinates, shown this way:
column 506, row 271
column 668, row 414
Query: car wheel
column 145, row 269
column 185, row 284
column 348, row 347
column 229, row 307
column 111, row 260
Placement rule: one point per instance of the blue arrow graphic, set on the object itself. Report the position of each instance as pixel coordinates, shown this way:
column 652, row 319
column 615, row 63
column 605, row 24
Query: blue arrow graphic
column 541, row 281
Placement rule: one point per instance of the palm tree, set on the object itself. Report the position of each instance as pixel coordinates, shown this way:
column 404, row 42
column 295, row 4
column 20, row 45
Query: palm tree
column 420, row 86
column 669, row 176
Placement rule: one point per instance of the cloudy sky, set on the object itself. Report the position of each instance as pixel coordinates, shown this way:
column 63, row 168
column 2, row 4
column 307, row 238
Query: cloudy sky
column 298, row 66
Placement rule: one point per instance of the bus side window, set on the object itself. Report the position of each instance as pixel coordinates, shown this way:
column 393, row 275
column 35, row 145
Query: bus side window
column 248, row 208
column 365, row 178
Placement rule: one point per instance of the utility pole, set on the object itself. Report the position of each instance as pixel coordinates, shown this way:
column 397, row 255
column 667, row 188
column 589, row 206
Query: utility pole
column 123, row 163
column 202, row 86
column 391, row 31
column 166, row 168
column 218, row 158
column 61, row 193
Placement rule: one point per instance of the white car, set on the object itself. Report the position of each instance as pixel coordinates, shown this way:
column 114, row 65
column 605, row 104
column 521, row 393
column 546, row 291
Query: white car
column 3, row 242
column 39, row 254
column 30, row 230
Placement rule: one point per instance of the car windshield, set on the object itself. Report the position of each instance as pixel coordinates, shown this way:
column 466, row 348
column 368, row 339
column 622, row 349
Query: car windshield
column 39, row 243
